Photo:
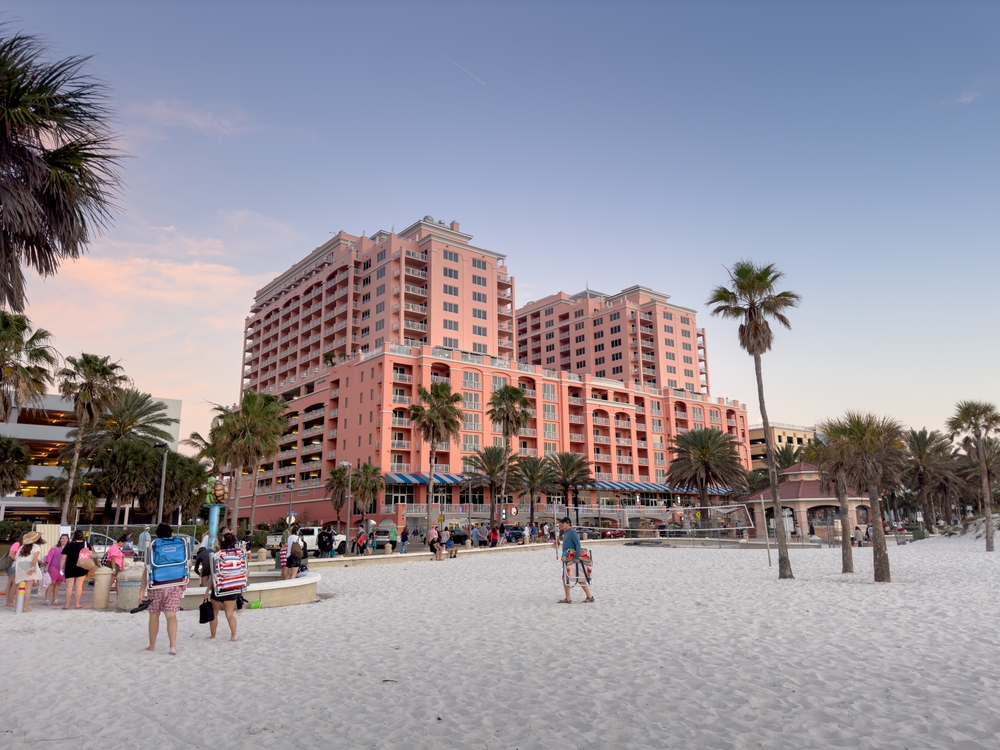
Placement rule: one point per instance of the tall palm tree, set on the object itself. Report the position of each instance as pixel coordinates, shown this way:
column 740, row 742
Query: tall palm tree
column 787, row 456
column 26, row 362
column 928, row 460
column 510, row 409
column 15, row 463
column 81, row 496
column 91, row 382
column 130, row 414
column 828, row 453
column 489, row 464
column 246, row 436
column 752, row 299
column 977, row 419
column 184, row 488
column 705, row 458
column 570, row 471
column 205, row 450
column 533, row 475
column 874, row 458
column 439, row 419
column 124, row 470
column 336, row 488
column 367, row 486
column 58, row 161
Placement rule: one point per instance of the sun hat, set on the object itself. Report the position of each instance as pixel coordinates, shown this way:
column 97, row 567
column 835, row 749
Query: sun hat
column 32, row 537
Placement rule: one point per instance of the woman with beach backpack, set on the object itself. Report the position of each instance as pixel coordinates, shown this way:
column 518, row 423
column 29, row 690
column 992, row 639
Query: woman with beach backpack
column 228, row 582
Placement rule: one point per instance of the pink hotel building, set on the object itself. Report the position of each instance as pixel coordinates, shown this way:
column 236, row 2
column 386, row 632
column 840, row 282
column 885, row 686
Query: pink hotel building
column 348, row 334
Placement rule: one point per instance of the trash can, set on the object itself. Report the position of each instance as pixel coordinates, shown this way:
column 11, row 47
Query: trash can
column 262, row 555
column 102, row 586
column 129, row 582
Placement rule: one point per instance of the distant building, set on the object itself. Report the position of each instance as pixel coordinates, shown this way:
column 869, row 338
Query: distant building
column 782, row 434
column 637, row 336
column 46, row 432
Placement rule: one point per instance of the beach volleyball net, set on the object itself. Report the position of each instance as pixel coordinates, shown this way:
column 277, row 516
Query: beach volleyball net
column 715, row 519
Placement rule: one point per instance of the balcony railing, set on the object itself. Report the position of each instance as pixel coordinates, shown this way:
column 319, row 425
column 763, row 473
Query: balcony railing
column 623, row 441
column 602, row 420
column 402, row 377
column 400, row 422
column 527, row 452
column 623, row 423
column 473, row 385
column 442, row 468
column 400, row 468
column 622, row 459
column 602, row 439
column 397, row 399
column 400, row 444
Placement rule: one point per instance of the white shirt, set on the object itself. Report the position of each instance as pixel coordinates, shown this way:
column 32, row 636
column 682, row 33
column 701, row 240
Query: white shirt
column 204, row 541
column 292, row 539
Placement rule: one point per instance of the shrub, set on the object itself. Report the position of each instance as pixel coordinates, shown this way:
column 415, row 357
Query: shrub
column 10, row 531
column 259, row 539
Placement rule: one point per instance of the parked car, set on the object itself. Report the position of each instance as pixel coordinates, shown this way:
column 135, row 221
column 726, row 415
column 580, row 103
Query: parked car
column 459, row 537
column 310, row 535
column 513, row 534
column 590, row 531
column 612, row 533
column 381, row 538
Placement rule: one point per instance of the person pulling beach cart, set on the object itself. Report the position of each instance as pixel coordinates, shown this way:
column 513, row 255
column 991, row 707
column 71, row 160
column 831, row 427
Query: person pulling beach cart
column 576, row 562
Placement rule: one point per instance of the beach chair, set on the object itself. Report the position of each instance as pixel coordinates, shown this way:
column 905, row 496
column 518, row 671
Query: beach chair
column 168, row 563
column 578, row 570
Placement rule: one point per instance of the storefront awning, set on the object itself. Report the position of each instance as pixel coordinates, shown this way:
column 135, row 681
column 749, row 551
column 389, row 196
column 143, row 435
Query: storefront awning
column 423, row 478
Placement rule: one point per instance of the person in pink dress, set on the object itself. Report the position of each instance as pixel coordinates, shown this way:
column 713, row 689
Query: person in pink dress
column 116, row 559
column 53, row 561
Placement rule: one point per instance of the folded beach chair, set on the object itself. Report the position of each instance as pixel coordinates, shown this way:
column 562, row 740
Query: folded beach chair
column 578, row 570
column 168, row 563
column 229, row 571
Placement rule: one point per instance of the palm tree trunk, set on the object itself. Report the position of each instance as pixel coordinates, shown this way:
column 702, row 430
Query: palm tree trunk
column 531, row 496
column 880, row 554
column 506, row 463
column 926, row 508
column 235, row 520
column 253, row 505
column 846, row 553
column 703, row 502
column 430, row 490
column 987, row 496
column 784, row 563
column 72, row 473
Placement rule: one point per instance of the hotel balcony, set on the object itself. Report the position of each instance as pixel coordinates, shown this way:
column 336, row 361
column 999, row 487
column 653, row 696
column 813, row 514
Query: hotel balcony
column 624, row 459
column 411, row 271
column 419, row 291
column 401, row 377
column 397, row 399
column 442, row 468
column 527, row 452
column 403, row 445
column 400, row 468
column 400, row 422
column 601, row 439
column 414, row 308
column 623, row 423
column 601, row 420
column 623, row 441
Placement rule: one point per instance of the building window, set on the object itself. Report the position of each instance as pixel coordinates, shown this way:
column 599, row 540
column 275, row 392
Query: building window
column 685, row 333
column 598, row 322
column 451, row 307
column 365, row 314
column 696, row 413
column 689, row 373
column 689, row 387
column 614, row 316
column 450, row 325
column 479, row 280
column 599, row 373
column 616, row 342
column 688, row 360
column 668, row 342
column 451, row 273
column 615, row 329
column 366, row 280
column 580, row 339
column 581, row 365
column 380, row 308
column 616, row 370
column 579, row 314
column 380, row 257
column 480, row 264
column 550, row 336
column 364, row 332
column 670, row 355
column 549, row 360
column 451, row 290
column 380, row 290
column 366, row 297
column 671, row 370
column 615, row 356
column 379, row 341
column 477, row 313
column 478, row 297
column 685, row 321
column 550, row 347
column 668, row 316
column 450, row 256
column 598, row 347
column 380, row 273
column 598, row 334
column 549, row 310
column 713, row 416
column 451, row 343
column 657, row 425
column 367, row 265
column 581, row 351
column 549, row 323
column 668, row 329
column 479, row 330
column 599, row 361
column 479, row 348
column 686, row 346
column 379, row 325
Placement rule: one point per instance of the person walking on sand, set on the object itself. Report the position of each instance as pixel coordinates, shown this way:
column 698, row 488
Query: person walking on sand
column 166, row 600
column 73, row 573
column 224, row 602
column 393, row 537
column 571, row 541
column 53, row 561
column 404, row 539
column 26, row 569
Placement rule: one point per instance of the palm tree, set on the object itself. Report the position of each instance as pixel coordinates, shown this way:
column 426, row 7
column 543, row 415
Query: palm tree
column 184, row 488
column 81, row 497
column 751, row 298
column 873, row 455
column 367, row 486
column 91, row 382
column 533, row 475
column 131, row 414
column 336, row 487
column 787, row 456
column 978, row 419
column 246, row 436
column 489, row 465
column 439, row 419
column 569, row 472
column 928, row 460
column 125, row 469
column 510, row 409
column 15, row 463
column 26, row 362
column 205, row 451
column 704, row 458
column 828, row 454
column 58, row 159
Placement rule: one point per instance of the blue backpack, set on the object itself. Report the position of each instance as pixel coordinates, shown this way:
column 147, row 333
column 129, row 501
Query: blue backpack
column 168, row 563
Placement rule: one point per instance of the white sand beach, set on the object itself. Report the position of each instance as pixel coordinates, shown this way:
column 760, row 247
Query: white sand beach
column 684, row 648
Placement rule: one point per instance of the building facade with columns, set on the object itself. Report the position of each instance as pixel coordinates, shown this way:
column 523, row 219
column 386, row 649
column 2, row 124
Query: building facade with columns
column 349, row 334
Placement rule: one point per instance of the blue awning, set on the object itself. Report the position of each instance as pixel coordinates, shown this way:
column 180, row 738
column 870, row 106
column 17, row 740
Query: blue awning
column 450, row 478
column 405, row 479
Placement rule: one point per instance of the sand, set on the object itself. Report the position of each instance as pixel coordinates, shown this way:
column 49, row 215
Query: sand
column 684, row 648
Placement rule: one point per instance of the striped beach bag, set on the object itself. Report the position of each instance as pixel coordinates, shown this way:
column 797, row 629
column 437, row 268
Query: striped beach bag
column 229, row 571
column 578, row 570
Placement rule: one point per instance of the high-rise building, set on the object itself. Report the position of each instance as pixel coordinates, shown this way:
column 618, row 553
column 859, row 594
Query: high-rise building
column 798, row 436
column 349, row 334
column 637, row 335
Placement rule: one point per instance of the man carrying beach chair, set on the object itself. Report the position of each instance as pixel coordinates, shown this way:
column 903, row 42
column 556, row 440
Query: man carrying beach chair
column 576, row 563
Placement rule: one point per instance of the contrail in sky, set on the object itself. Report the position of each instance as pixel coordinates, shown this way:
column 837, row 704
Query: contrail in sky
column 459, row 66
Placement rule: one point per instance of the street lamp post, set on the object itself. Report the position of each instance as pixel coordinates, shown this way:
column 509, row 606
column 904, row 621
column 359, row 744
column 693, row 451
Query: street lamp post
column 163, row 483
column 350, row 468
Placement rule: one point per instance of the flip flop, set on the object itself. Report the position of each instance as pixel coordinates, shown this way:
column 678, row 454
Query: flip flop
column 564, row 601
column 589, row 600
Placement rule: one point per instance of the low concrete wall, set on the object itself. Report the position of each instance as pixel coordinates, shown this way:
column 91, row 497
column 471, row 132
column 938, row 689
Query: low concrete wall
column 270, row 590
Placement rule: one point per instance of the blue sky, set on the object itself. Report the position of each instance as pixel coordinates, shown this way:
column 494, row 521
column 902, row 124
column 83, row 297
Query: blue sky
column 853, row 144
